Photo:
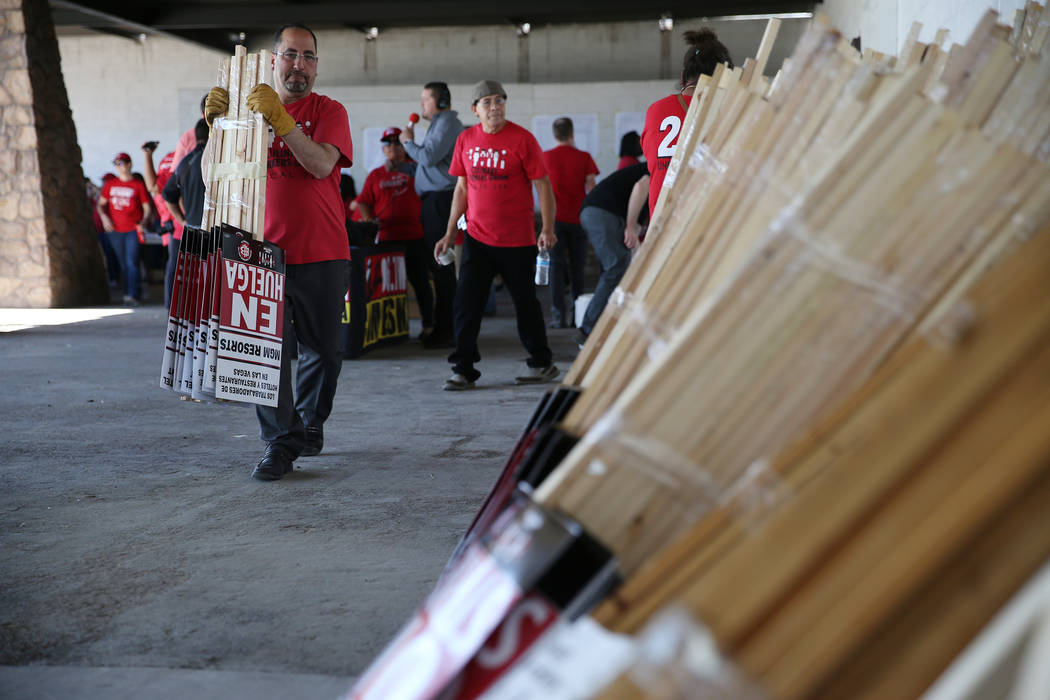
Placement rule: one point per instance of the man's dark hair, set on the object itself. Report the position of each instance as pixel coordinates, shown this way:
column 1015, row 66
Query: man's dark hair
column 705, row 52
column 200, row 130
column 203, row 101
column 562, row 128
column 440, row 92
column 631, row 145
column 280, row 32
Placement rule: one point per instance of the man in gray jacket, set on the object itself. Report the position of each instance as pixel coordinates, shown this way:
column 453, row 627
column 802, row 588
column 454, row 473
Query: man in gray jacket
column 435, row 186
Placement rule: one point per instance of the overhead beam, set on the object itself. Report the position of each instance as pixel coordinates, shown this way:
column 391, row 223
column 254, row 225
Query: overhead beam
column 422, row 13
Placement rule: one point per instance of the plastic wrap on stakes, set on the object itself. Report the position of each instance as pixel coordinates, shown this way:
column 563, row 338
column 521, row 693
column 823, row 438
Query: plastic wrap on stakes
column 826, row 254
column 678, row 658
column 650, row 325
column 748, row 493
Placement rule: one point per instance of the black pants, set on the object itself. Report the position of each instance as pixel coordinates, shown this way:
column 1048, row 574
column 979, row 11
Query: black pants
column 314, row 299
column 572, row 244
column 416, row 256
column 478, row 266
column 436, row 209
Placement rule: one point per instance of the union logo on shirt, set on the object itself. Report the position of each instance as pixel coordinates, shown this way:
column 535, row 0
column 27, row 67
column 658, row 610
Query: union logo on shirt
column 487, row 157
column 281, row 162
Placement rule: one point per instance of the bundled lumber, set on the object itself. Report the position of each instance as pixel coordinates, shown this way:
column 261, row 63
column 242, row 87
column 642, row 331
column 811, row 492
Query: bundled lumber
column 818, row 406
column 819, row 231
column 208, row 308
column 914, row 519
column 236, row 180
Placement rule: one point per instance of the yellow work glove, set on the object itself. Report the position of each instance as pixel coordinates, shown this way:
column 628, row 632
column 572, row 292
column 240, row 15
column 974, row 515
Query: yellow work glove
column 264, row 100
column 216, row 104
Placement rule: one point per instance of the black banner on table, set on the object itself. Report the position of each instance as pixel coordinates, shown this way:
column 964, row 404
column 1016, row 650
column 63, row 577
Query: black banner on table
column 376, row 312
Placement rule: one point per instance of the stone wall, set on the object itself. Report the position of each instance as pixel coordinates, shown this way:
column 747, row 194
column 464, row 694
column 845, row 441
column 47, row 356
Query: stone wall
column 49, row 254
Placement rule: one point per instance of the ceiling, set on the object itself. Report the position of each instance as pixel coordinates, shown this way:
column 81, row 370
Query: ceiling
column 219, row 23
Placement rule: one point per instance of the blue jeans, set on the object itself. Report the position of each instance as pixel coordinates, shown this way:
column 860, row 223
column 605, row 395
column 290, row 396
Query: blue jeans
column 605, row 232
column 126, row 246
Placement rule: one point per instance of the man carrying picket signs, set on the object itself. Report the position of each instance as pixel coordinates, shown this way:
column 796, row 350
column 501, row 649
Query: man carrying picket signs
column 304, row 216
column 497, row 163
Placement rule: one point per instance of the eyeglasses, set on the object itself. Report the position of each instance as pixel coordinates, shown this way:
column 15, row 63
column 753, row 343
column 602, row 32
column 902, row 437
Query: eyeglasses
column 122, row 162
column 492, row 102
column 293, row 56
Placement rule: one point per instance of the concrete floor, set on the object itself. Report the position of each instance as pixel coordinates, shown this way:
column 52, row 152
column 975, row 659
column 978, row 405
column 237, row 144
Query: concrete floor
column 138, row 559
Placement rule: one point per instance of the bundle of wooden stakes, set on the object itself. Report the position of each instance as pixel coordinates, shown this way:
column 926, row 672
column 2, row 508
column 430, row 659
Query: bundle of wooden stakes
column 235, row 199
column 819, row 401
column 238, row 148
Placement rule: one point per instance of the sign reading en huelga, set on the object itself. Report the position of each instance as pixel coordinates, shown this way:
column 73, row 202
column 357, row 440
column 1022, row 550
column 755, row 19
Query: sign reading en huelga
column 251, row 321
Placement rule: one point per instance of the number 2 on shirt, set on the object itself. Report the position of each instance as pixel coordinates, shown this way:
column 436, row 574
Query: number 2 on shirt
column 674, row 124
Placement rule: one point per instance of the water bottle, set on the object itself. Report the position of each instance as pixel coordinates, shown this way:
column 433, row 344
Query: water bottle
column 543, row 268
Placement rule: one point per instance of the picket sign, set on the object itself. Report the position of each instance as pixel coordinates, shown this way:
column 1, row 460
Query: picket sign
column 225, row 323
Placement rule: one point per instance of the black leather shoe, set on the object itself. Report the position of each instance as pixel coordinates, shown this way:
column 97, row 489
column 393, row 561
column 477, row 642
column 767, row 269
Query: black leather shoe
column 275, row 463
column 314, row 441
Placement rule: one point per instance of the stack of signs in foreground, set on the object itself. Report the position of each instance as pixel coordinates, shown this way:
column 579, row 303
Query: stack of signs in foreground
column 226, row 318
column 530, row 571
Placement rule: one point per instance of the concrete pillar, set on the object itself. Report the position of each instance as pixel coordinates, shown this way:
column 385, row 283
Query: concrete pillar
column 49, row 252
column 523, row 58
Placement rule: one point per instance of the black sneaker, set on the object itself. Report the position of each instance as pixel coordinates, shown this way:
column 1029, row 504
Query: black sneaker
column 275, row 463
column 314, row 441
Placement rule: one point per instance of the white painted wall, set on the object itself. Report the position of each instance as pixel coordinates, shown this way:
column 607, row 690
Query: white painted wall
column 124, row 93
column 883, row 25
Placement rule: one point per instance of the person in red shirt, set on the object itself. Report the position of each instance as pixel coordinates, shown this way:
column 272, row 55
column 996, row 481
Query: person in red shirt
column 156, row 179
column 630, row 150
column 572, row 174
column 496, row 164
column 124, row 207
column 305, row 217
column 664, row 118
column 389, row 196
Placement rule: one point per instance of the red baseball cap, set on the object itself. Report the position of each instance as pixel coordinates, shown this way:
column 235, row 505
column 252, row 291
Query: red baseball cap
column 391, row 134
column 121, row 156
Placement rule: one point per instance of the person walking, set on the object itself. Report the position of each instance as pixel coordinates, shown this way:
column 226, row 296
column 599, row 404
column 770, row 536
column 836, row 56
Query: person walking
column 572, row 174
column 434, row 185
column 497, row 163
column 304, row 216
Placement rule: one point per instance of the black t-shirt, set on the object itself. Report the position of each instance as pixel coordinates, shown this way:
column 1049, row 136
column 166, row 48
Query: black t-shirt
column 188, row 183
column 612, row 193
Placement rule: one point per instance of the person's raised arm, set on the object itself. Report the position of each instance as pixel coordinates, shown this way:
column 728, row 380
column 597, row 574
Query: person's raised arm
column 459, row 205
column 149, row 173
column 317, row 158
column 547, row 211
column 639, row 196
column 439, row 142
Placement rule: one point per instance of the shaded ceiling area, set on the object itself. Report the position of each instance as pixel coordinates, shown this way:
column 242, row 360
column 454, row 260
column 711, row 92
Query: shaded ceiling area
column 219, row 23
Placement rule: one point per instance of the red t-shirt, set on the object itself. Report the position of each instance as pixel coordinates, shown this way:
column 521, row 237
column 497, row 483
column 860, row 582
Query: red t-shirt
column 165, row 169
column 663, row 123
column 499, row 169
column 125, row 202
column 568, row 168
column 627, row 161
column 391, row 195
column 304, row 214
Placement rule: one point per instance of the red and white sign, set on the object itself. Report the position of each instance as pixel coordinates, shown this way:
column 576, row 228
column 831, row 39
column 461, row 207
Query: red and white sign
column 251, row 321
